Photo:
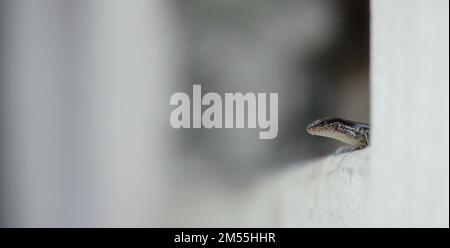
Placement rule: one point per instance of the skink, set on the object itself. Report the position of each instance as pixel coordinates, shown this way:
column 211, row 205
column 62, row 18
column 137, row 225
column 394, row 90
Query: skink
column 350, row 132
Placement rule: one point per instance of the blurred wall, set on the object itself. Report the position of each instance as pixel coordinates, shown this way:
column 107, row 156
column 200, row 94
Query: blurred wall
column 84, row 100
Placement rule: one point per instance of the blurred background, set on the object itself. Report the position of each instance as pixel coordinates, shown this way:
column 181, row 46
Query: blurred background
column 85, row 89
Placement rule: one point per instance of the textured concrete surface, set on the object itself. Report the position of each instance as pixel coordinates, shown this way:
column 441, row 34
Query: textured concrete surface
column 327, row 192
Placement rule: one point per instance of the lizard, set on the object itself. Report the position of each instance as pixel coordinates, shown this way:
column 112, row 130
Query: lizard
column 350, row 132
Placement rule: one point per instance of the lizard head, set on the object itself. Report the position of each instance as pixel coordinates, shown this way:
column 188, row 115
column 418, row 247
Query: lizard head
column 349, row 132
column 318, row 126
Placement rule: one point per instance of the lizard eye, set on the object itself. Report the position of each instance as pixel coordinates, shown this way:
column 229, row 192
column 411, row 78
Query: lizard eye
column 317, row 123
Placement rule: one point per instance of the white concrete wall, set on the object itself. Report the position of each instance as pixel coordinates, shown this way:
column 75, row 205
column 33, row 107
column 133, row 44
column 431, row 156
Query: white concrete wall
column 410, row 107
